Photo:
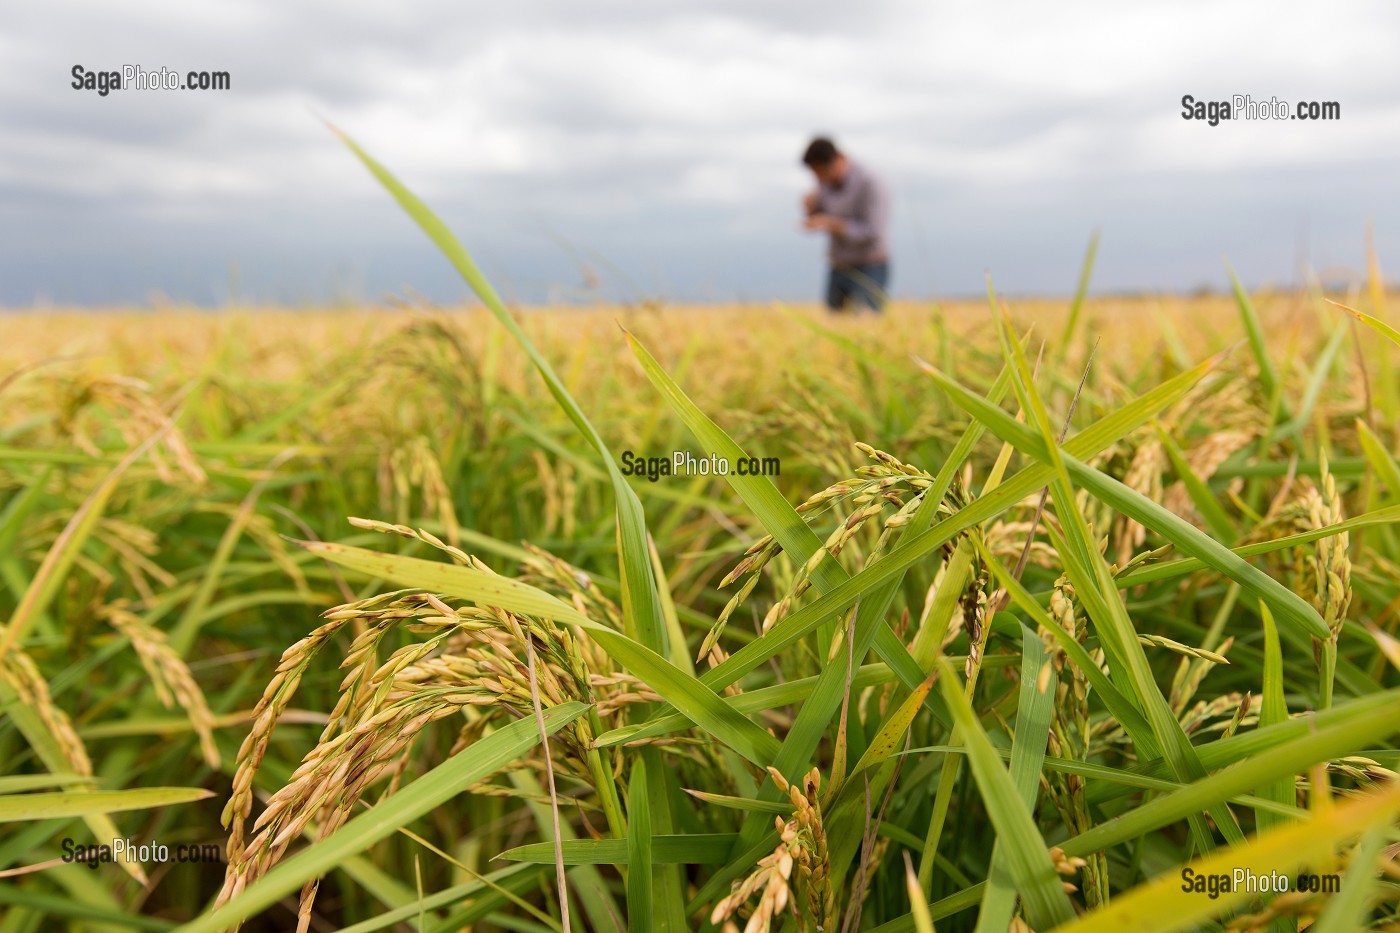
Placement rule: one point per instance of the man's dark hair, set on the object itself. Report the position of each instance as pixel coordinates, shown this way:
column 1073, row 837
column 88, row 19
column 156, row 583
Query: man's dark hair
column 820, row 151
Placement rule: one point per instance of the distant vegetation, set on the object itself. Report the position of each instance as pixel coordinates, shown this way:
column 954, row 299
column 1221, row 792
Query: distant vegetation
column 1041, row 607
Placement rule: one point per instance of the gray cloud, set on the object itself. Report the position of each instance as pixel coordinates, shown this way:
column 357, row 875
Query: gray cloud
column 658, row 143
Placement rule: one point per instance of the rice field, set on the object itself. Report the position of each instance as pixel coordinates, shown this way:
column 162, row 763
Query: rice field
column 1073, row 614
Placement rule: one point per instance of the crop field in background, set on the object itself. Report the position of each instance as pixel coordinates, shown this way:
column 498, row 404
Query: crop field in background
column 1054, row 613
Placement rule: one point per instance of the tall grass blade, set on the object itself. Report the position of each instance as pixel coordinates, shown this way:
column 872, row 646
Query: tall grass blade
column 15, row 807
column 433, row 789
column 1160, row 905
column 1375, row 323
column 1027, row 856
column 1349, row 908
column 1096, row 589
column 1033, row 715
column 684, row 692
column 1080, row 292
column 639, row 905
column 1268, row 376
column 640, row 600
column 1190, row 540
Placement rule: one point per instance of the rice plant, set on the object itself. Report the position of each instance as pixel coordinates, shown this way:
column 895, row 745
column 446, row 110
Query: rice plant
column 1051, row 619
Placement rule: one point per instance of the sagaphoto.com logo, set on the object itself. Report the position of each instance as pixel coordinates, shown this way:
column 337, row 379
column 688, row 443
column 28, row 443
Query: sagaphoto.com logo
column 1244, row 107
column 94, row 855
column 134, row 77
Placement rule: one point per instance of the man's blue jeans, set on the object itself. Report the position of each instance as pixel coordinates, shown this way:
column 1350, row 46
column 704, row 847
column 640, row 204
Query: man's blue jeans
column 864, row 285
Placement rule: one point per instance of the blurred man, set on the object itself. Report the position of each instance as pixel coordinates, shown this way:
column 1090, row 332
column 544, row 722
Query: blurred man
column 852, row 206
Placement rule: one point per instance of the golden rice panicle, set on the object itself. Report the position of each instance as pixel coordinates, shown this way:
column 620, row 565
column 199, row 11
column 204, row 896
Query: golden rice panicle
column 333, row 776
column 555, row 575
column 22, row 675
column 976, row 607
column 1331, row 561
column 889, row 461
column 1365, row 771
column 379, row 616
column 755, row 559
column 802, row 845
column 618, row 691
column 385, row 704
column 830, row 494
column 145, row 416
column 875, row 485
column 1161, row 641
column 170, row 676
column 1072, row 690
column 1196, row 664
column 770, row 879
column 837, row 540
column 1204, row 460
column 273, row 703
column 1217, row 715
column 419, row 534
column 1007, row 539
column 414, row 466
column 814, row 861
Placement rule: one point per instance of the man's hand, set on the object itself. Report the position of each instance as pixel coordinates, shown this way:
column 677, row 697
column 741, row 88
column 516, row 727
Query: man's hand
column 809, row 202
column 825, row 222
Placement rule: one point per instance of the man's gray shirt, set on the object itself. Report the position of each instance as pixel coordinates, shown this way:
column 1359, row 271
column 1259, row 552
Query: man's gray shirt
column 863, row 203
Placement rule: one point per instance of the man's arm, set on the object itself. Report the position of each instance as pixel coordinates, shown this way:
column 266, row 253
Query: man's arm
column 871, row 214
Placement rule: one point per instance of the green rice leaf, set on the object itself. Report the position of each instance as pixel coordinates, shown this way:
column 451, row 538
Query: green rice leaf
column 641, row 603
column 19, row 507
column 1093, row 439
column 1096, row 590
column 741, row 803
column 1129, row 715
column 1254, row 331
column 482, row 895
column 1026, row 854
column 1348, row 909
column 1190, row 540
column 688, row 849
column 20, row 783
column 1160, row 905
column 1117, row 776
column 14, row 807
column 1321, row 369
column 1202, row 498
column 474, row 763
column 1175, row 568
column 1342, row 737
column 1081, row 290
column 50, row 751
column 681, row 690
column 1375, row 323
column 1272, row 711
column 639, row 856
column 1380, row 459
column 53, row 570
column 1033, row 716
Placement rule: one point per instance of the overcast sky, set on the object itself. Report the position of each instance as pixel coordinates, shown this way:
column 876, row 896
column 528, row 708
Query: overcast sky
column 656, row 145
